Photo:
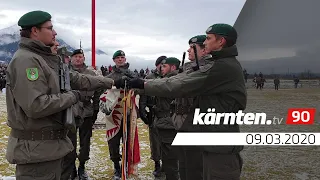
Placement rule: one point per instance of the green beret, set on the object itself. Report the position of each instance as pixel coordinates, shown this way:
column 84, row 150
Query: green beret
column 197, row 39
column 160, row 59
column 171, row 60
column 33, row 18
column 225, row 30
column 118, row 53
column 77, row 51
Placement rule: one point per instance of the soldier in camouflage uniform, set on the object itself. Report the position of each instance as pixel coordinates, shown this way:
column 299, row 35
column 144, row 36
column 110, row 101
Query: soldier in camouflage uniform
column 190, row 159
column 218, row 84
column 119, row 70
column 164, row 124
column 37, row 142
column 85, row 118
column 148, row 118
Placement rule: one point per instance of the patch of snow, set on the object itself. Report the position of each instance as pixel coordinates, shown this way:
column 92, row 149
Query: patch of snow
column 303, row 176
column 14, row 29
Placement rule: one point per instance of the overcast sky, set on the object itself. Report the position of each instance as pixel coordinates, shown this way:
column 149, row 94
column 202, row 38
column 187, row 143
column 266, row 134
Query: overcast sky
column 144, row 29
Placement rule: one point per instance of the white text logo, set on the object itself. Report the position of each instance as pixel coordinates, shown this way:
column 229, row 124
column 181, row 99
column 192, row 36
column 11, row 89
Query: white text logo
column 212, row 118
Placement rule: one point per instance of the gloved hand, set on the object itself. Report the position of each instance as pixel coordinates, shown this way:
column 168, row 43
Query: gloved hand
column 143, row 116
column 95, row 116
column 136, row 83
column 120, row 83
column 77, row 94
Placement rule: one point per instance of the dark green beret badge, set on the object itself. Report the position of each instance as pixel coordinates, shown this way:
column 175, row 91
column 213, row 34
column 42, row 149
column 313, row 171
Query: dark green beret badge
column 199, row 39
column 171, row 60
column 118, row 53
column 221, row 29
column 77, row 51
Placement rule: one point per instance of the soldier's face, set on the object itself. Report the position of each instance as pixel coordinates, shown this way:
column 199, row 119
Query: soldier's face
column 45, row 33
column 120, row 60
column 167, row 68
column 77, row 59
column 54, row 48
column 200, row 52
column 158, row 67
column 66, row 60
column 212, row 43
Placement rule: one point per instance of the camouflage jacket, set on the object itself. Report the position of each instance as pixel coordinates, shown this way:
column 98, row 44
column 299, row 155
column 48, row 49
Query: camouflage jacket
column 218, row 84
column 90, row 99
column 163, row 109
column 184, row 105
column 35, row 103
column 147, row 101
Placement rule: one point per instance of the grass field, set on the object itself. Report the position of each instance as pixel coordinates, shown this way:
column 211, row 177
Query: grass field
column 272, row 162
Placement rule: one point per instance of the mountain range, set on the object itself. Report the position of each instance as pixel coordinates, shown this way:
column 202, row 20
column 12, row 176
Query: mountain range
column 302, row 61
column 9, row 41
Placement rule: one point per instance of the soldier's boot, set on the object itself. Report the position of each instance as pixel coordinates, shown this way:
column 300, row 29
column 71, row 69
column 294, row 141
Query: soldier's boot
column 82, row 172
column 117, row 171
column 74, row 173
column 157, row 169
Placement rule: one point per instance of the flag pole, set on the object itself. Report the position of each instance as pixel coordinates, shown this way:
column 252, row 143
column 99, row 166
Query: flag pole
column 93, row 27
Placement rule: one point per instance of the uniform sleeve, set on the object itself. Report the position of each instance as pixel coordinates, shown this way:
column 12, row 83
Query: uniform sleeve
column 33, row 95
column 88, row 82
column 96, row 96
column 207, row 80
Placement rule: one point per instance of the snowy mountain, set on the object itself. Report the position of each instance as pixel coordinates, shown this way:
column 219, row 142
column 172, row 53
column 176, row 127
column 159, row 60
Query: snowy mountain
column 9, row 40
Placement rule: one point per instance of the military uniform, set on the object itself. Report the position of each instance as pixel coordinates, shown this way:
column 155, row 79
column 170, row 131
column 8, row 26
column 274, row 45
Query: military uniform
column 85, row 118
column 190, row 158
column 215, row 87
column 37, row 142
column 166, row 129
column 114, row 143
column 148, row 118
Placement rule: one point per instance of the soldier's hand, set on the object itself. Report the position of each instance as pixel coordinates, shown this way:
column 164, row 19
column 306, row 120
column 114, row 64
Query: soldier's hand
column 95, row 116
column 136, row 83
column 119, row 83
column 77, row 94
column 143, row 116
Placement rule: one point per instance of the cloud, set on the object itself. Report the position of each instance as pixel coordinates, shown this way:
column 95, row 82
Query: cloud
column 142, row 28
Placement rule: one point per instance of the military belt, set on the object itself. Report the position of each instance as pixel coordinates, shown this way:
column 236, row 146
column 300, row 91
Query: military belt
column 39, row 135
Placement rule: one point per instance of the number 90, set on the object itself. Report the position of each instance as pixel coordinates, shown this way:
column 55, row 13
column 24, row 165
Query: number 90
column 304, row 116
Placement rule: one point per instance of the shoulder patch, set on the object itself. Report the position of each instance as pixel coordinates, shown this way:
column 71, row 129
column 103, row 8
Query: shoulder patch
column 32, row 74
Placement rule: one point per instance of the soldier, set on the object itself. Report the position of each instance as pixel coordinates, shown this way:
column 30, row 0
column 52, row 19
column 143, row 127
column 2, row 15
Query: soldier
column 148, row 118
column 120, row 69
column 245, row 73
column 219, row 83
column 259, row 82
column 276, row 83
column 141, row 74
column 190, row 159
column 37, row 142
column 296, row 82
column 164, row 124
column 54, row 48
column 88, row 112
